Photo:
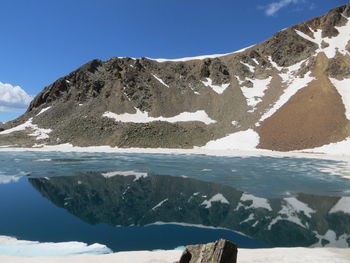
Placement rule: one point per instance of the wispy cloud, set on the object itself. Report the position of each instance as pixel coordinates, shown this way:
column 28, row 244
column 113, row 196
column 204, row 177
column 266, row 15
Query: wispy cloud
column 272, row 8
column 13, row 97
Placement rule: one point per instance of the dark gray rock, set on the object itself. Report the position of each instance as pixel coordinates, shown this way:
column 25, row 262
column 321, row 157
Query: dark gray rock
column 221, row 251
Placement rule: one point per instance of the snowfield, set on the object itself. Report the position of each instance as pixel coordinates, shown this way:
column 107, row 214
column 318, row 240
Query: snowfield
column 142, row 117
column 272, row 255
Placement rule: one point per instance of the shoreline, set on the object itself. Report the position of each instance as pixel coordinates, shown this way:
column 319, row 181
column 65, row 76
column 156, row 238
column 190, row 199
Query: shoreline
column 179, row 151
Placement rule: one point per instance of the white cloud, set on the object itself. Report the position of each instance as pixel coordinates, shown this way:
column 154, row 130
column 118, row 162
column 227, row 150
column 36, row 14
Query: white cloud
column 272, row 8
column 13, row 97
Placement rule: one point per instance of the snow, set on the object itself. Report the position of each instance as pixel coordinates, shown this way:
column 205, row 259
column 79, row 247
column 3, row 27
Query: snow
column 142, row 117
column 216, row 198
column 243, row 140
column 257, row 202
column 236, row 124
column 267, row 255
column 343, row 205
column 217, row 88
column 343, row 87
column 137, row 175
column 250, row 67
column 274, row 64
column 161, row 60
column 160, row 80
column 39, row 133
column 13, row 246
column 43, row 110
column 159, row 204
column 294, row 84
column 337, row 43
column 337, row 148
column 254, row 94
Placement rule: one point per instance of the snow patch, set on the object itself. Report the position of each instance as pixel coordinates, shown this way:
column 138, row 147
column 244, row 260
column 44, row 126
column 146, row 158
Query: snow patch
column 216, row 198
column 294, row 84
column 254, row 94
column 161, row 60
column 15, row 247
column 142, row 117
column 160, row 80
column 337, row 148
column 137, row 175
column 337, row 43
column 39, row 133
column 43, row 110
column 250, row 67
column 242, row 140
column 218, row 89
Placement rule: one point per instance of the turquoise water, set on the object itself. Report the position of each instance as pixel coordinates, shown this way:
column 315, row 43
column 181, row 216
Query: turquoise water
column 253, row 201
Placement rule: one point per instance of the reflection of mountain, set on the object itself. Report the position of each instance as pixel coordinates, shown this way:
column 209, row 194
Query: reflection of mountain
column 303, row 220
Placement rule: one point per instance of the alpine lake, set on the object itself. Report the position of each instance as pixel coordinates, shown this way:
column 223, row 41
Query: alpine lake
column 136, row 201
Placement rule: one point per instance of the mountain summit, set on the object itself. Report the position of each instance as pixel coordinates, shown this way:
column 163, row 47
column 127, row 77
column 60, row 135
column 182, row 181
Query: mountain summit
column 289, row 92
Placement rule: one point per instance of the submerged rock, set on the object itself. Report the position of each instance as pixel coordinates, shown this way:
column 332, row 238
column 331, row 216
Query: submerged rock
column 221, row 251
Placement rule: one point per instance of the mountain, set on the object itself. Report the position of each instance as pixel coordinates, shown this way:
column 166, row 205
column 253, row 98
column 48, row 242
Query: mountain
column 289, row 92
column 125, row 200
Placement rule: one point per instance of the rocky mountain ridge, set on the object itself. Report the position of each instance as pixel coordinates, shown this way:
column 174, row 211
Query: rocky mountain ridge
column 286, row 93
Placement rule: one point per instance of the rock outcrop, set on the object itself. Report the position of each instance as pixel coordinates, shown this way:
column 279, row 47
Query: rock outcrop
column 220, row 251
column 286, row 93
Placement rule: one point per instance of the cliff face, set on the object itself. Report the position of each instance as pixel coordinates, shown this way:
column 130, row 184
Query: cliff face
column 286, row 93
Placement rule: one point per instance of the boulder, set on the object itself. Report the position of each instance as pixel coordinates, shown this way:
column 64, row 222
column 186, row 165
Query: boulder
column 221, row 251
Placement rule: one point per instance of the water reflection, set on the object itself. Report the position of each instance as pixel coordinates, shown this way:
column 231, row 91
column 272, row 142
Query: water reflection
column 126, row 199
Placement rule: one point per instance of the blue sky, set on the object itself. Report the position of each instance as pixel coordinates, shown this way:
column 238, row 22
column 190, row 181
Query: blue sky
column 42, row 40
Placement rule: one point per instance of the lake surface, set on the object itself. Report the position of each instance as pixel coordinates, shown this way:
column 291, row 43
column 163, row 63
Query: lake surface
column 159, row 201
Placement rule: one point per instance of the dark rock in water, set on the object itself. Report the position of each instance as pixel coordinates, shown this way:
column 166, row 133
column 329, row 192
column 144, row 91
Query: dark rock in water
column 221, row 251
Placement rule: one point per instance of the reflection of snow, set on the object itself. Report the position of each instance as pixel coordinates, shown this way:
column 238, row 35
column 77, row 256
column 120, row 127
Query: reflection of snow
column 216, row 198
column 137, row 175
column 257, row 202
column 343, row 205
column 290, row 212
column 334, row 241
